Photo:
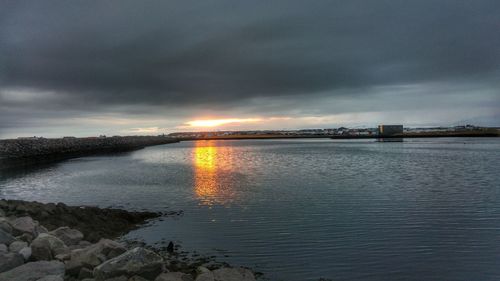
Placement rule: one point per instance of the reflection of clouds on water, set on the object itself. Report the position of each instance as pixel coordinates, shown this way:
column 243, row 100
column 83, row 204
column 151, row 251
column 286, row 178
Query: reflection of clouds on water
column 212, row 168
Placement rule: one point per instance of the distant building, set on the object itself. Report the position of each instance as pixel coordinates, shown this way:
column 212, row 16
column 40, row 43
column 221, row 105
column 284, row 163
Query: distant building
column 389, row 130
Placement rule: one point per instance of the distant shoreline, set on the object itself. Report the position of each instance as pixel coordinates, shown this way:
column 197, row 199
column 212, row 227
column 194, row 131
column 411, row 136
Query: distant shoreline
column 32, row 151
column 404, row 135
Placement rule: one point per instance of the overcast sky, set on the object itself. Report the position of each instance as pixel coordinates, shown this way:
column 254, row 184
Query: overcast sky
column 146, row 67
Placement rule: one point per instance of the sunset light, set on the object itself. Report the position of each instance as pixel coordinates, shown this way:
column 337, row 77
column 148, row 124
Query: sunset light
column 219, row 122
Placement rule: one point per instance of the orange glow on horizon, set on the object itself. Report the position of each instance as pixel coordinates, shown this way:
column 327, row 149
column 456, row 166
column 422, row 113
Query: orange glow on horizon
column 219, row 122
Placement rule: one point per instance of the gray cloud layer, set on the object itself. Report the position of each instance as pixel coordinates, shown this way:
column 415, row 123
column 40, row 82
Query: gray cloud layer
column 95, row 54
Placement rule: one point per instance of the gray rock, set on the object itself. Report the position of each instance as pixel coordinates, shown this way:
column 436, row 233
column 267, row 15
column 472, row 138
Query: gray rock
column 16, row 246
column 137, row 278
column 85, row 273
column 205, row 276
column 202, row 269
column 63, row 257
column 24, row 225
column 5, row 225
column 41, row 229
column 6, row 238
column 80, row 245
column 26, row 237
column 88, row 279
column 3, row 248
column 33, row 271
column 233, row 274
column 74, row 265
column 46, row 247
column 119, row 278
column 68, row 235
column 10, row 260
column 137, row 261
column 2, row 213
column 84, row 243
column 174, row 276
column 26, row 253
column 93, row 255
column 25, row 208
column 51, row 278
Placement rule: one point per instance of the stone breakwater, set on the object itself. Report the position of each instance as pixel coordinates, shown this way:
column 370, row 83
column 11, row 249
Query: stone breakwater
column 40, row 147
column 30, row 251
column 93, row 222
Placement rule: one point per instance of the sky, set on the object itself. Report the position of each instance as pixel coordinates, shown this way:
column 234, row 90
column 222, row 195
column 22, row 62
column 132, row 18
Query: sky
column 86, row 68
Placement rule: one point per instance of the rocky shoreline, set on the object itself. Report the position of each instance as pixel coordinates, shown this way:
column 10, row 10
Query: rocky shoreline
column 30, row 151
column 56, row 242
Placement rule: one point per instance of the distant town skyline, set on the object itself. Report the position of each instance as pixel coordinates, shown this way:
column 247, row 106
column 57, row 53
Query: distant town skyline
column 125, row 67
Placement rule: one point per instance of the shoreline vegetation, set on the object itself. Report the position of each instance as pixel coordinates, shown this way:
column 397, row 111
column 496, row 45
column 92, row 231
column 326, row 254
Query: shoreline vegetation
column 56, row 242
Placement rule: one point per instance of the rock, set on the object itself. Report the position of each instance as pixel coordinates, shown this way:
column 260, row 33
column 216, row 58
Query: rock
column 206, row 276
column 3, row 248
column 10, row 260
column 24, row 208
column 26, row 253
column 46, row 247
column 63, row 257
column 170, row 247
column 84, row 243
column 41, row 229
column 137, row 278
column 119, row 278
column 5, row 225
column 51, row 278
column 174, row 276
column 85, row 273
column 93, row 255
column 137, row 261
column 44, row 214
column 2, row 213
column 95, row 223
column 33, row 271
column 16, row 246
column 6, row 238
column 73, row 267
column 24, row 225
column 202, row 269
column 68, row 235
column 80, row 245
column 26, row 237
column 88, row 279
column 233, row 274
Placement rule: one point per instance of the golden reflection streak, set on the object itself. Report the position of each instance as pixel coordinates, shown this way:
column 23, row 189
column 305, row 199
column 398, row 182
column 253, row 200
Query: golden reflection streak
column 210, row 162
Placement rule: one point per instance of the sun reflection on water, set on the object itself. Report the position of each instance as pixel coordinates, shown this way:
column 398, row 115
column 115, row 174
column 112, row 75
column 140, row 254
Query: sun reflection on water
column 212, row 164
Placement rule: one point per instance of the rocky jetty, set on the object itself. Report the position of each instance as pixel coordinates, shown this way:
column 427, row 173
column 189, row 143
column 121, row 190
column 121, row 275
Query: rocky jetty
column 28, row 151
column 93, row 222
column 32, row 251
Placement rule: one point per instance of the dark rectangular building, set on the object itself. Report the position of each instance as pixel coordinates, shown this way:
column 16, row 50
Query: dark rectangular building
column 389, row 130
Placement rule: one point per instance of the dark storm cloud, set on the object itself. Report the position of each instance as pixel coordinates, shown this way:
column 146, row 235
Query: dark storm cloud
column 188, row 53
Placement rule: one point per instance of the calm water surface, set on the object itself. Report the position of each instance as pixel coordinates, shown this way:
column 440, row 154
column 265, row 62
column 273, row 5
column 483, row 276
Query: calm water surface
column 424, row 209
